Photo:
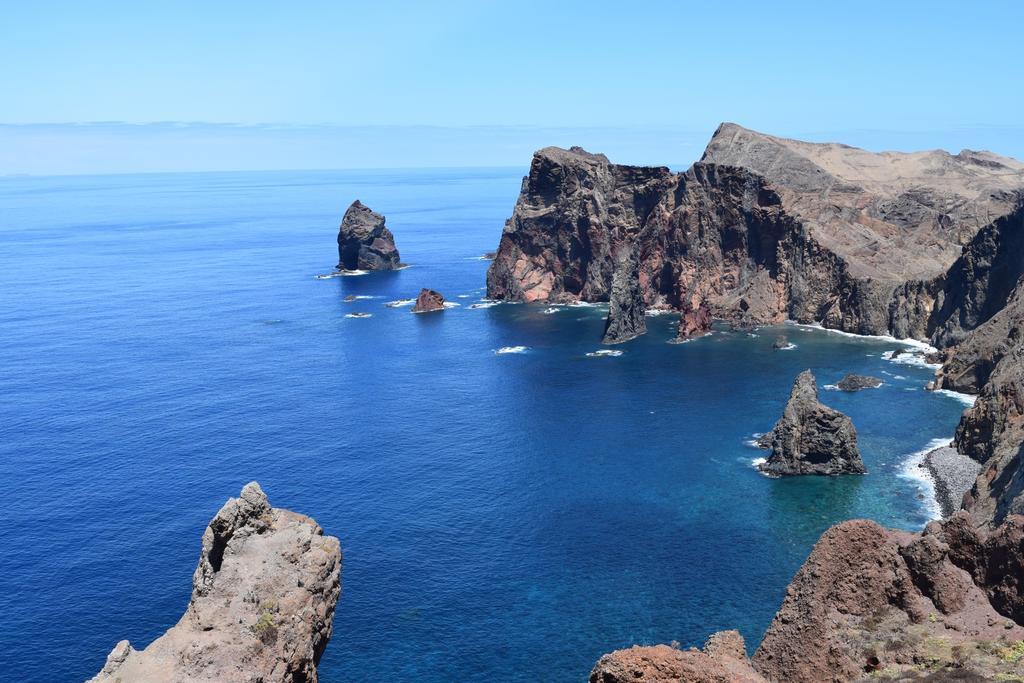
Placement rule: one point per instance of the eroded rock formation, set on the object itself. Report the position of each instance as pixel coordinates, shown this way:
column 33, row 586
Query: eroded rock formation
column 626, row 310
column 722, row 660
column 764, row 228
column 811, row 438
column 364, row 243
column 870, row 603
column 428, row 301
column 262, row 606
column 858, row 382
column 694, row 321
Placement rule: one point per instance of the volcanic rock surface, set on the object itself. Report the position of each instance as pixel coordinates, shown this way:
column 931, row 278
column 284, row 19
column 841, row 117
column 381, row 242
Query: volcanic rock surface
column 427, row 301
column 722, row 660
column 262, row 606
column 694, row 322
column 811, row 438
column 626, row 310
column 364, row 243
column 764, row 228
column 858, row 382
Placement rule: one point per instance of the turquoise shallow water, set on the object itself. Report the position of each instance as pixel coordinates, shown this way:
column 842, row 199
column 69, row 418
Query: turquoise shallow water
column 163, row 341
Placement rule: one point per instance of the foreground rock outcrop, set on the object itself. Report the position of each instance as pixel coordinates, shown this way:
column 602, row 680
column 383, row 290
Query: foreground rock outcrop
column 427, row 301
column 262, row 606
column 871, row 603
column 694, row 321
column 364, row 243
column 764, row 228
column 722, row 660
column 811, row 438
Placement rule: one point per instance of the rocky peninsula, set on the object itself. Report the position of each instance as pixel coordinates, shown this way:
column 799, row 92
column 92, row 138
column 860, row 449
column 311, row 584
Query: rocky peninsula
column 262, row 605
column 364, row 242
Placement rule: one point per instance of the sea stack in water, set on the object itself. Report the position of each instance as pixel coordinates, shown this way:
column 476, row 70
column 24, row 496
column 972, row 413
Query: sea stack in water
column 694, row 321
column 428, row 301
column 364, row 243
column 262, row 607
column 626, row 303
column 811, row 438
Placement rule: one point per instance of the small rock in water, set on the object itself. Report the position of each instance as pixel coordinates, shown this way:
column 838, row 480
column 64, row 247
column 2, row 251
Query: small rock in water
column 428, row 301
column 858, row 382
column 781, row 342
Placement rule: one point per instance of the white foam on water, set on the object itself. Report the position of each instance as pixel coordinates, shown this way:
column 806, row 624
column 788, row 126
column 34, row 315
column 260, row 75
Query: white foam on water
column 831, row 387
column 451, row 304
column 605, row 353
column 788, row 347
column 511, row 349
column 688, row 340
column 915, row 359
column 484, row 304
column 397, row 303
column 757, row 462
column 659, row 311
column 464, row 296
column 911, row 469
column 362, row 297
column 358, row 315
column 913, row 343
column 966, row 399
column 550, row 311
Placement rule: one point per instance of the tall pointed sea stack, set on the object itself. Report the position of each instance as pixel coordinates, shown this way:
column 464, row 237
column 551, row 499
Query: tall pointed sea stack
column 626, row 303
column 811, row 438
column 364, row 243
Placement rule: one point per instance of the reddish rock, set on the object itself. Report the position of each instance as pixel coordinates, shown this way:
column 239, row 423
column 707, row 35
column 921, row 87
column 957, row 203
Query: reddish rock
column 694, row 321
column 723, row 660
column 427, row 301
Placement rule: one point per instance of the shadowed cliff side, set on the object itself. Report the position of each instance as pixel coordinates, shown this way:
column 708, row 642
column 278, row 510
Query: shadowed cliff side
column 262, row 606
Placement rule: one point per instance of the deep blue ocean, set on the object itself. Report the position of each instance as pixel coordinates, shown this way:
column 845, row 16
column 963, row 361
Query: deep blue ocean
column 163, row 341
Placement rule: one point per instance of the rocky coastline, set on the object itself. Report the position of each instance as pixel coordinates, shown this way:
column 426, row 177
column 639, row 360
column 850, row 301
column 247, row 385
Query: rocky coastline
column 953, row 475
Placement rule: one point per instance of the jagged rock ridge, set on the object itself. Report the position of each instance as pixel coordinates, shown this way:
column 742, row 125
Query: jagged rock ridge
column 364, row 242
column 811, row 438
column 262, row 605
column 763, row 229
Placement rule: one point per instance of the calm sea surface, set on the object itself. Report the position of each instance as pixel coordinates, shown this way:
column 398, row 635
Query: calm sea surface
column 163, row 341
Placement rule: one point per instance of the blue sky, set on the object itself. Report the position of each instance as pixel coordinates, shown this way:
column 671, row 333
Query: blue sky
column 318, row 84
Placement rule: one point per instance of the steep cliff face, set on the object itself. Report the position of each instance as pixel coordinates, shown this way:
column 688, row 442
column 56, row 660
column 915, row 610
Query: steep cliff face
column 981, row 281
column 573, row 210
column 262, row 606
column 765, row 228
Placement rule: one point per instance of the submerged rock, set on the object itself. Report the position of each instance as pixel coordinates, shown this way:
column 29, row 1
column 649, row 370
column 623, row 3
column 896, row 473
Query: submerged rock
column 626, row 311
column 427, row 301
column 364, row 243
column 781, row 342
column 858, row 382
column 262, row 606
column 811, row 438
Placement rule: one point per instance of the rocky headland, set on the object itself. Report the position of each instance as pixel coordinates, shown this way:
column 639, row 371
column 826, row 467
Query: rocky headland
column 762, row 229
column 262, row 605
column 810, row 437
column 925, row 245
column 364, row 242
